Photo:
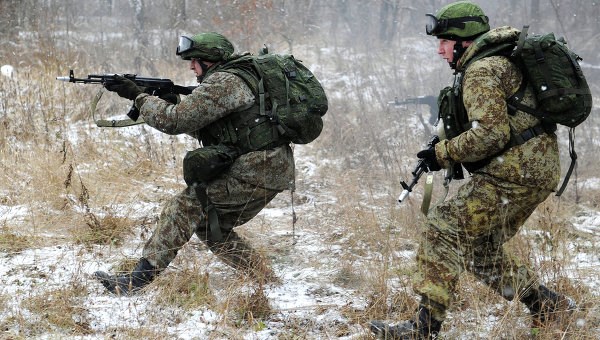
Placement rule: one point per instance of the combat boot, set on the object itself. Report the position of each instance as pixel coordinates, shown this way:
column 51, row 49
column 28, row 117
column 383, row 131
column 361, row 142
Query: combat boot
column 424, row 326
column 547, row 306
column 126, row 284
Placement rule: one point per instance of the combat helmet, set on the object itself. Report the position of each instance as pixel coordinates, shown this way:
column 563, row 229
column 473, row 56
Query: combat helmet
column 211, row 46
column 461, row 21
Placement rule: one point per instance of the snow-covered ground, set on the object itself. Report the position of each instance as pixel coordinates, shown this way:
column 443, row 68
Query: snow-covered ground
column 307, row 303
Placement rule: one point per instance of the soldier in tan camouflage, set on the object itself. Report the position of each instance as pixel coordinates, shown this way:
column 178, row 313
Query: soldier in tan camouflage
column 514, row 164
column 237, row 181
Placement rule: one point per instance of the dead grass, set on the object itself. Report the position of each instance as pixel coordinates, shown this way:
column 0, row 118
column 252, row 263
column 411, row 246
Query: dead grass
column 188, row 289
column 108, row 230
column 62, row 308
column 136, row 333
column 13, row 243
column 125, row 265
column 250, row 306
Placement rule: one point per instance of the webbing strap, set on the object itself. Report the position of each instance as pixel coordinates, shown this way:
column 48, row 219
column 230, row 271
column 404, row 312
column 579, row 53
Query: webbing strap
column 281, row 127
column 113, row 122
column 261, row 97
column 573, row 156
column 518, row 139
column 427, row 194
column 521, row 41
column 560, row 92
column 118, row 123
column 211, row 213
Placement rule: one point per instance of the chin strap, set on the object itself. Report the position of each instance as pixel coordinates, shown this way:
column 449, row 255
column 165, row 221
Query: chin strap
column 204, row 68
column 458, row 52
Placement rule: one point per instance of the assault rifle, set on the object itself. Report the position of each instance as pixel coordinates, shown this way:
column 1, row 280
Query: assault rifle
column 430, row 101
column 154, row 86
column 417, row 172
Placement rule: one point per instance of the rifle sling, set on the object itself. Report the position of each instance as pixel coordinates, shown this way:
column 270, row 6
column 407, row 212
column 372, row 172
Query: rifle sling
column 573, row 156
column 427, row 194
column 118, row 123
column 215, row 234
column 110, row 123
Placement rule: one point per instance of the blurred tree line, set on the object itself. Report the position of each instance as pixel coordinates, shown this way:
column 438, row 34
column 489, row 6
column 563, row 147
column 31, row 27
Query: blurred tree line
column 151, row 27
column 366, row 52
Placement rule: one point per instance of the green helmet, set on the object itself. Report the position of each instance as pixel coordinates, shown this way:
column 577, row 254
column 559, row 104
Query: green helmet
column 461, row 20
column 210, row 46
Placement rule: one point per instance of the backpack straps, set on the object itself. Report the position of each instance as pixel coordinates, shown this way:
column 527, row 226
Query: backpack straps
column 573, row 156
column 521, row 41
column 279, row 128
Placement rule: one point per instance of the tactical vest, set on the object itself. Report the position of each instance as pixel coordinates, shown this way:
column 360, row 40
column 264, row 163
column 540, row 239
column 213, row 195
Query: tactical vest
column 453, row 115
column 245, row 130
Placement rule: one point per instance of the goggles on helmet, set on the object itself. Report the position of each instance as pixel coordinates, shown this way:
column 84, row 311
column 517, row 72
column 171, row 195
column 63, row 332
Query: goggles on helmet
column 436, row 26
column 185, row 44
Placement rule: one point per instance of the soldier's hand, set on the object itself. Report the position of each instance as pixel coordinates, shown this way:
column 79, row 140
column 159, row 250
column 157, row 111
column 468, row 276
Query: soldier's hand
column 428, row 156
column 123, row 87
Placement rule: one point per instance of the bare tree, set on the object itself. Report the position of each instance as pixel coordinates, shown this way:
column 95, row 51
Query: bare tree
column 140, row 36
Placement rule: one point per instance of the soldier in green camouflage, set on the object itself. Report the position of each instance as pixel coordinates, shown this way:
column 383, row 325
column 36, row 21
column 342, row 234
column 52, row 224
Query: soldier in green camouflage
column 229, row 182
column 514, row 164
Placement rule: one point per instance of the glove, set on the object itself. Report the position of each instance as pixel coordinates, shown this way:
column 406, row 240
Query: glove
column 428, row 156
column 123, row 87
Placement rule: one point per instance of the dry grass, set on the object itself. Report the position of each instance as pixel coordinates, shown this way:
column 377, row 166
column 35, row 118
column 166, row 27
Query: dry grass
column 13, row 243
column 188, row 289
column 62, row 308
column 252, row 307
column 136, row 333
column 108, row 230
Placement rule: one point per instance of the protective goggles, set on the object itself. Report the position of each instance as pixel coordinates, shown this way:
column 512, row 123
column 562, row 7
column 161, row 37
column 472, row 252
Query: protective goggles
column 185, row 44
column 436, row 26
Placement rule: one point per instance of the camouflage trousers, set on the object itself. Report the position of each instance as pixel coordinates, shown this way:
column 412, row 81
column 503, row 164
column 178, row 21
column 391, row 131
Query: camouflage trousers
column 236, row 203
column 467, row 233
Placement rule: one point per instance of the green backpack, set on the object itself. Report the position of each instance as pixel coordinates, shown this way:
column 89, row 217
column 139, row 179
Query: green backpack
column 560, row 88
column 293, row 95
column 289, row 94
column 553, row 70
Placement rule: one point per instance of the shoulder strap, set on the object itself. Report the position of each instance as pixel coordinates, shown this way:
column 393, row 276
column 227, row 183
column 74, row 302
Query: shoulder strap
column 521, row 41
column 573, row 164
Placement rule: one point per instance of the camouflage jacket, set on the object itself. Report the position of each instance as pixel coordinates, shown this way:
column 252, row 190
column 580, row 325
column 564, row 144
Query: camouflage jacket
column 219, row 95
column 486, row 84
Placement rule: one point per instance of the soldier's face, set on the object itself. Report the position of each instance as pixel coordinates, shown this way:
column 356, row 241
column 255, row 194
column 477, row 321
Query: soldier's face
column 446, row 49
column 195, row 66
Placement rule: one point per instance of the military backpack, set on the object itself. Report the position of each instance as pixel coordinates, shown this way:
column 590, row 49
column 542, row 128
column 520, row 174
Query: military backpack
column 553, row 70
column 289, row 95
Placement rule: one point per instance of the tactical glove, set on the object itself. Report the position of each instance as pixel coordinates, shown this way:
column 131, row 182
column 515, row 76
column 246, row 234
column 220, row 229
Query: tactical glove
column 428, row 156
column 123, row 87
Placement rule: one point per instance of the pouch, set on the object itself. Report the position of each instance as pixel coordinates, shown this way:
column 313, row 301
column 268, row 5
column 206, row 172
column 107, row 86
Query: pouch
column 206, row 163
